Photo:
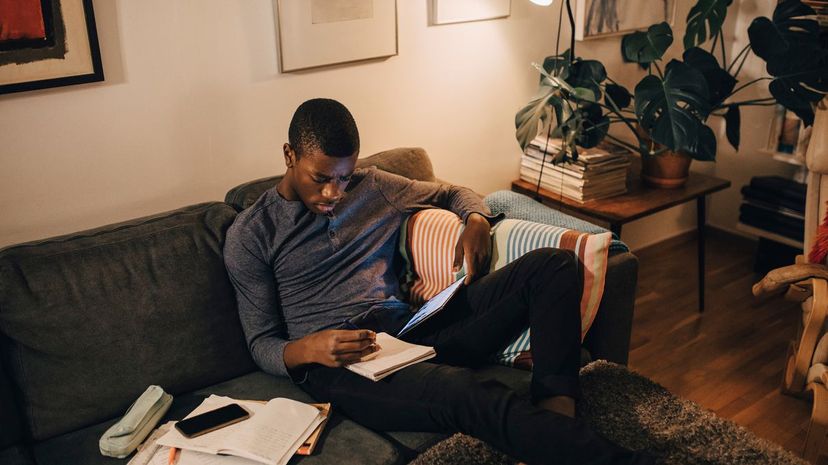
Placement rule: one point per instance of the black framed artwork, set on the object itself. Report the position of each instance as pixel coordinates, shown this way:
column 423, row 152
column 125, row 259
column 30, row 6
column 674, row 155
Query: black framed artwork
column 47, row 43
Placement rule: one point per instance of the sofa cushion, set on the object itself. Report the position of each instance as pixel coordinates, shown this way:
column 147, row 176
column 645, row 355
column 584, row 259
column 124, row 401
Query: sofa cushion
column 343, row 442
column 427, row 245
column 514, row 238
column 91, row 319
column 428, row 242
column 521, row 207
column 411, row 162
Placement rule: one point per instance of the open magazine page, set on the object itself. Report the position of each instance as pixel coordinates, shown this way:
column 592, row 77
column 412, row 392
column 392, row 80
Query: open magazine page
column 271, row 435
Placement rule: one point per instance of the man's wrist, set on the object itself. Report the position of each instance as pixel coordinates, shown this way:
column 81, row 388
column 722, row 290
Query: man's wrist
column 295, row 354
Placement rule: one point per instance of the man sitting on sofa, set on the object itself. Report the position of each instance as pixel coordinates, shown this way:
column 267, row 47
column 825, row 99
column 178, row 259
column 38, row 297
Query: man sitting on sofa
column 319, row 249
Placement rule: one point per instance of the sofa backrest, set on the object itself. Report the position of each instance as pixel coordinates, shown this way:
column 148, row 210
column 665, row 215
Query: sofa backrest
column 411, row 162
column 89, row 320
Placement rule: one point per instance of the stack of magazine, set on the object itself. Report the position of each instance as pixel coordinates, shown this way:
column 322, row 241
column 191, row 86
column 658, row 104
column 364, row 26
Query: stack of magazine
column 272, row 435
column 598, row 172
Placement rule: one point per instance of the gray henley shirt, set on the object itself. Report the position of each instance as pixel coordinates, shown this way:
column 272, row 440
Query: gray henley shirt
column 296, row 272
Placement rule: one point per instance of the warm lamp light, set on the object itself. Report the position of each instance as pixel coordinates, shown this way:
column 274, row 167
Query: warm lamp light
column 543, row 2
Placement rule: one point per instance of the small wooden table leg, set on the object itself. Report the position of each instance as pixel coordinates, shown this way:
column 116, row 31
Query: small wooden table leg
column 700, row 225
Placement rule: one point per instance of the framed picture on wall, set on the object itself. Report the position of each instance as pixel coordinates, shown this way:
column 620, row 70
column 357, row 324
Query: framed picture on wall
column 315, row 33
column 461, row 11
column 48, row 43
column 604, row 18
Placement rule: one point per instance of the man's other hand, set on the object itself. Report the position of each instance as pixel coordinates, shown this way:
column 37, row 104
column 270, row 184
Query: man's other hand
column 474, row 244
column 331, row 347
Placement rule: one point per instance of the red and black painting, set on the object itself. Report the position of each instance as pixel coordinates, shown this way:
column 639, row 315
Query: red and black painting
column 32, row 31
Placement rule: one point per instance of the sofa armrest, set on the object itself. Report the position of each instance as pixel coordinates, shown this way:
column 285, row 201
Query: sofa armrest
column 609, row 336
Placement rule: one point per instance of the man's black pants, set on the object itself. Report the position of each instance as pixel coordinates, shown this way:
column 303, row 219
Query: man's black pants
column 541, row 289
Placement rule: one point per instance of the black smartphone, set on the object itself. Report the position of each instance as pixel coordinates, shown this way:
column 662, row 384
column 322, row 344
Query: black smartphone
column 210, row 421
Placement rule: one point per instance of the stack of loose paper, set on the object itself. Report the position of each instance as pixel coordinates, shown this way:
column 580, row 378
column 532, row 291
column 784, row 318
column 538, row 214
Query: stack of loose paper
column 271, row 435
column 150, row 452
column 598, row 173
column 394, row 355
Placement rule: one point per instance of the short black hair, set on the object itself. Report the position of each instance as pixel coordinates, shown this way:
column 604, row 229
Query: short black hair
column 325, row 125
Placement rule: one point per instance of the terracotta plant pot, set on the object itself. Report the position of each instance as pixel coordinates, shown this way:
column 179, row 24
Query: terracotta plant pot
column 667, row 170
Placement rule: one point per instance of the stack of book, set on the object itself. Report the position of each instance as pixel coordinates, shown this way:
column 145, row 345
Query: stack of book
column 598, row 172
column 775, row 205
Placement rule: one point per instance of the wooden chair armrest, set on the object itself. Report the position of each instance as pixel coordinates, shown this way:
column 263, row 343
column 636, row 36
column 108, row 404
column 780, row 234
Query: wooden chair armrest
column 797, row 372
column 800, row 291
column 778, row 280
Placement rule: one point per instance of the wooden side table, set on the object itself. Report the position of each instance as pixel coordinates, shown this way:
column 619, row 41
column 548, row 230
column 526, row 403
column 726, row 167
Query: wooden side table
column 640, row 201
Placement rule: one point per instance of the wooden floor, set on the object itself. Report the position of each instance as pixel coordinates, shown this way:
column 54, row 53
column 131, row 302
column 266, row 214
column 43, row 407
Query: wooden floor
column 728, row 359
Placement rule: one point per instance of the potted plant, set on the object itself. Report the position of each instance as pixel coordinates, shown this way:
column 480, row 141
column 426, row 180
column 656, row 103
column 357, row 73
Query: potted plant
column 670, row 109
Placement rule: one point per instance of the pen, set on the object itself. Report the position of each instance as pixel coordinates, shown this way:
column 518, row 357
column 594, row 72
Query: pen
column 173, row 452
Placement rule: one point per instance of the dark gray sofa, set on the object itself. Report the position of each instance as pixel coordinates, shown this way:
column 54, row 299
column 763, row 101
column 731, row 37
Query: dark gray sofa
column 89, row 320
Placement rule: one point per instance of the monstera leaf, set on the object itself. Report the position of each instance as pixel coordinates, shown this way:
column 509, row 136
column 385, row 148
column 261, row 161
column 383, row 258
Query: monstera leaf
column 790, row 45
column 791, row 94
column 539, row 109
column 618, row 95
column 703, row 146
column 558, row 66
column 704, row 21
column 667, row 108
column 577, row 73
column 588, row 74
column 719, row 82
column 792, row 27
column 647, row 47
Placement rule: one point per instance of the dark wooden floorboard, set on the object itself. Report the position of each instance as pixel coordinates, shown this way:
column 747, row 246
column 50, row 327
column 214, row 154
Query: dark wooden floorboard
column 730, row 358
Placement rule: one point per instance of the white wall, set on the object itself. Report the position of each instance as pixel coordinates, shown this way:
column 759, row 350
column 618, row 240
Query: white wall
column 194, row 104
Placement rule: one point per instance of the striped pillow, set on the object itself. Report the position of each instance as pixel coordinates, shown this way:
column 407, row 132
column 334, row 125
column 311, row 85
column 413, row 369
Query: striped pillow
column 427, row 244
column 428, row 241
column 513, row 238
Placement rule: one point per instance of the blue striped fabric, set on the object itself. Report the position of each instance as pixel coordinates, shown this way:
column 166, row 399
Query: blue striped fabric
column 521, row 207
column 531, row 237
column 514, row 238
column 511, row 352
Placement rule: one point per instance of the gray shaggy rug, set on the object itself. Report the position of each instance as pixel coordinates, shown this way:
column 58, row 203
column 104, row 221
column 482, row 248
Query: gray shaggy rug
column 641, row 415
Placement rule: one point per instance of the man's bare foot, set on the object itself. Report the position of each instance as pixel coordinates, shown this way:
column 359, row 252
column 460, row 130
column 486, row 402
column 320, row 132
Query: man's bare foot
column 559, row 404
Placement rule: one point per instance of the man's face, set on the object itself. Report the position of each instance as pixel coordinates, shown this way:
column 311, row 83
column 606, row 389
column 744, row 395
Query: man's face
column 319, row 180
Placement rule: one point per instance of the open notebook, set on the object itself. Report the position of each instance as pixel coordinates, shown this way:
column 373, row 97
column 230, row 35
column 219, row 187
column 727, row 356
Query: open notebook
column 271, row 435
column 394, row 356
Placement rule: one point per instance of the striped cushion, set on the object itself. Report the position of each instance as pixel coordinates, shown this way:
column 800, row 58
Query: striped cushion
column 513, row 238
column 428, row 242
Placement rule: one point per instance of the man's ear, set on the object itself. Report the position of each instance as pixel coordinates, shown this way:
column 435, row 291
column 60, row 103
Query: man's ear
column 290, row 155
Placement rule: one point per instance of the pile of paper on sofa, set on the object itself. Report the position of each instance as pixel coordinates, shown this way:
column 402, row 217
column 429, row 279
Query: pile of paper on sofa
column 598, row 172
column 271, row 436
